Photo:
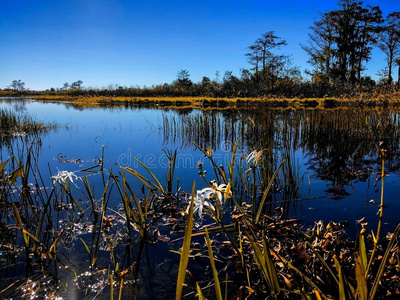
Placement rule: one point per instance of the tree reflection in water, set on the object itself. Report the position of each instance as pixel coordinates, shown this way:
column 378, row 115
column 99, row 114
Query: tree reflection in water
column 339, row 146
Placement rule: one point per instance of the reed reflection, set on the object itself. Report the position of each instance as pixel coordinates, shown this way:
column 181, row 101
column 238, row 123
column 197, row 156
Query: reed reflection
column 339, row 146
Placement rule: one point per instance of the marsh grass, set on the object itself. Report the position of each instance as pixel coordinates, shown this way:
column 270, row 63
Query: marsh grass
column 21, row 130
column 264, row 255
column 17, row 124
column 319, row 262
column 378, row 99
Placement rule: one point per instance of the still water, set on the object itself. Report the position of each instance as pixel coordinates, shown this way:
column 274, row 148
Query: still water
column 334, row 152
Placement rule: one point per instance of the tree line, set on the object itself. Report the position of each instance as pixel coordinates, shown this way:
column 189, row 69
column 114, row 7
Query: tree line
column 339, row 46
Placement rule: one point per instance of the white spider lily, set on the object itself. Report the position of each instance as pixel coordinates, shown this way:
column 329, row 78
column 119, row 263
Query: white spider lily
column 203, row 198
column 221, row 189
column 63, row 176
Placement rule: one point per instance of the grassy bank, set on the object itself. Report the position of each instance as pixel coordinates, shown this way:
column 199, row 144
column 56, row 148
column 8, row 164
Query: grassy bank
column 374, row 99
column 206, row 102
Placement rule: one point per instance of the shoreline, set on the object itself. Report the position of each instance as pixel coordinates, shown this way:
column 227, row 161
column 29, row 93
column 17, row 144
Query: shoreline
column 220, row 103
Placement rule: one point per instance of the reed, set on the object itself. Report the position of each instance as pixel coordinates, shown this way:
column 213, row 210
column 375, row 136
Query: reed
column 19, row 124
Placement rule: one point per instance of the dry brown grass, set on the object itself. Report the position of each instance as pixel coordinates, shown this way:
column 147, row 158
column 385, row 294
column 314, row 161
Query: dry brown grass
column 224, row 103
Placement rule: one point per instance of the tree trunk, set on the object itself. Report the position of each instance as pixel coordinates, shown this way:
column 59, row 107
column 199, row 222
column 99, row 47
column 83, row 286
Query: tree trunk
column 263, row 59
column 390, row 79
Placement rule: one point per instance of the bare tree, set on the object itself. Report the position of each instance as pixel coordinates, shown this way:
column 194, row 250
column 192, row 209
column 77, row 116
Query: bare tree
column 267, row 42
column 254, row 57
column 320, row 47
column 17, row 85
column 260, row 51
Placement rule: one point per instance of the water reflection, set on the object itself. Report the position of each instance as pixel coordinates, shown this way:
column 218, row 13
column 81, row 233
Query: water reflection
column 339, row 146
column 15, row 103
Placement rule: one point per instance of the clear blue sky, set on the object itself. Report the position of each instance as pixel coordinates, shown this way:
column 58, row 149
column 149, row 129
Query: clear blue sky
column 102, row 42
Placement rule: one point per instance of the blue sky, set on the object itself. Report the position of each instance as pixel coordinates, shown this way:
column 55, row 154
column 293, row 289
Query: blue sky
column 102, row 42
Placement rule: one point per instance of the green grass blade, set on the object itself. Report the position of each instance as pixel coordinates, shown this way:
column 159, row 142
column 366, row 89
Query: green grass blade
column 260, row 259
column 214, row 269
column 185, row 248
column 151, row 174
column 260, row 207
column 271, row 268
column 73, row 200
column 200, row 294
column 308, row 280
column 30, row 235
column 89, row 193
column 362, row 289
column 85, row 245
column 383, row 263
column 19, row 221
column 139, row 208
column 17, row 173
column 362, row 252
column 2, row 165
column 39, row 228
column 231, row 167
column 342, row 286
column 323, row 262
column 111, row 276
column 142, row 179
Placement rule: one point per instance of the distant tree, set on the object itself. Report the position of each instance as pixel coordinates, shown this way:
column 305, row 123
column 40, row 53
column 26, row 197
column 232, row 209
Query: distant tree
column 356, row 29
column 17, row 85
column 227, row 76
column 231, row 85
column 383, row 75
column 245, row 74
column 367, row 81
column 183, row 78
column 254, row 57
column 267, row 42
column 320, row 47
column 183, row 75
column 341, row 41
column 260, row 51
column 217, row 77
column 77, row 85
column 65, row 86
column 389, row 42
column 205, row 81
column 206, row 86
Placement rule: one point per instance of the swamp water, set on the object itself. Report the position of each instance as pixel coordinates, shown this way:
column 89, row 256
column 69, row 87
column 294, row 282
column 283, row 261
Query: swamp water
column 332, row 174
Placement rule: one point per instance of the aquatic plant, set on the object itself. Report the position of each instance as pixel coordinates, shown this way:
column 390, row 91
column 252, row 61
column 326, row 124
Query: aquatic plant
column 249, row 253
column 18, row 124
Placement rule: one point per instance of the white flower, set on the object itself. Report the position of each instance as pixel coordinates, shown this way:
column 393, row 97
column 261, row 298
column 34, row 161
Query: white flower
column 62, row 177
column 205, row 196
column 219, row 190
column 201, row 200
